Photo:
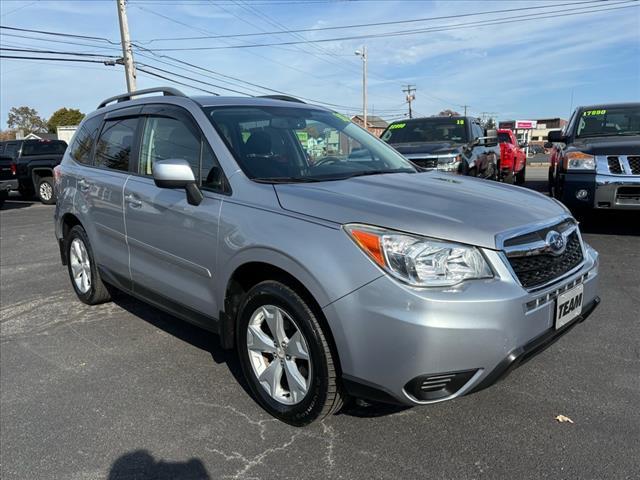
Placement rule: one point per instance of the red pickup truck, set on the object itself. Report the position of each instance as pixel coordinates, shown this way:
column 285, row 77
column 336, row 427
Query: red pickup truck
column 513, row 160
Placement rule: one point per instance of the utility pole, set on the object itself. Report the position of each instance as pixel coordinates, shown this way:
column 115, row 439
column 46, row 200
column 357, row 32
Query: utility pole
column 363, row 53
column 465, row 109
column 127, row 52
column 410, row 96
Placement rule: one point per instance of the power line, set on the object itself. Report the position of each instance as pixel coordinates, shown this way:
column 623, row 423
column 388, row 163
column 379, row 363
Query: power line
column 58, row 52
column 177, row 82
column 60, row 59
column 374, row 24
column 483, row 23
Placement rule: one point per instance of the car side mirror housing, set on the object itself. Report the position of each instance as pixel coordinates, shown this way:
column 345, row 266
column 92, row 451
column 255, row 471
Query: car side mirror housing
column 177, row 173
column 556, row 136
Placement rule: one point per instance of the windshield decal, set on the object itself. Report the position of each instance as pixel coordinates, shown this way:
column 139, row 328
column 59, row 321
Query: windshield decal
column 342, row 117
column 460, row 122
column 396, row 126
column 593, row 113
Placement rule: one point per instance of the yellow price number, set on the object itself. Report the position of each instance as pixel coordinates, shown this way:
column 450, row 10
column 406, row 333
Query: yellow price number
column 396, row 126
column 460, row 122
column 593, row 113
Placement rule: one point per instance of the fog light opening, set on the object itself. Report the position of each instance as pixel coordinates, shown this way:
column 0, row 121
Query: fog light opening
column 582, row 194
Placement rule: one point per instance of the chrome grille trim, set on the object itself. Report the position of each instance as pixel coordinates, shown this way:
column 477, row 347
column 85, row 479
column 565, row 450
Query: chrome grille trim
column 618, row 164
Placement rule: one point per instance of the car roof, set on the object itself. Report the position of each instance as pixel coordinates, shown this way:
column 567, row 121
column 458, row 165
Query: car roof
column 604, row 106
column 212, row 101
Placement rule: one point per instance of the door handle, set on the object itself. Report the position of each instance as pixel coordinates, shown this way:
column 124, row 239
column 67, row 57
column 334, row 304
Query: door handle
column 133, row 201
column 83, row 185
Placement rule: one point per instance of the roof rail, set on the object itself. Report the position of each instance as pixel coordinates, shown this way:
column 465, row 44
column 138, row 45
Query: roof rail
column 286, row 98
column 167, row 91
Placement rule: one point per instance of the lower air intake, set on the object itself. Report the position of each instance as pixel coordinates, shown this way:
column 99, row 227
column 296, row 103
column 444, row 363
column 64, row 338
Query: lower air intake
column 437, row 386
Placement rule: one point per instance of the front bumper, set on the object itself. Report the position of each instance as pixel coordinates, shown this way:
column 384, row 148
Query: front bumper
column 609, row 192
column 388, row 334
column 7, row 185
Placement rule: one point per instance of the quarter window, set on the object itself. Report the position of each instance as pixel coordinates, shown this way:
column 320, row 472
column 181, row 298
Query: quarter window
column 84, row 139
column 115, row 144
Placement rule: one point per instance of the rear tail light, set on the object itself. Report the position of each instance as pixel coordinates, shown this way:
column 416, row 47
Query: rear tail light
column 57, row 174
column 14, row 169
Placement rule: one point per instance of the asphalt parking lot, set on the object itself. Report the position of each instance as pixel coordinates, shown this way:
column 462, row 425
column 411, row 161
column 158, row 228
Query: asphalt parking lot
column 124, row 391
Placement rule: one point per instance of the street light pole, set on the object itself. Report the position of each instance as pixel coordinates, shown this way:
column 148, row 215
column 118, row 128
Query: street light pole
column 363, row 53
column 127, row 52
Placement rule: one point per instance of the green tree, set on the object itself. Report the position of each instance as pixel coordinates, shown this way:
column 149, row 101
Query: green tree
column 448, row 113
column 64, row 116
column 26, row 119
column 489, row 124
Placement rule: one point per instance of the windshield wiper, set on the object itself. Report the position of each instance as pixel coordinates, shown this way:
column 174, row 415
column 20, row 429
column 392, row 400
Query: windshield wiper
column 610, row 134
column 287, row 179
column 372, row 172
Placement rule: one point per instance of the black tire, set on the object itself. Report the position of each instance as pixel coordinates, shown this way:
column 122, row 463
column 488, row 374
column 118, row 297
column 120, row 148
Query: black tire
column 551, row 183
column 3, row 196
column 521, row 176
column 46, row 191
column 97, row 292
column 323, row 397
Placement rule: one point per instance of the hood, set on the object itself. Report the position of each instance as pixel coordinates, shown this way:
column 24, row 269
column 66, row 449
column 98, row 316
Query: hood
column 433, row 148
column 444, row 206
column 608, row 145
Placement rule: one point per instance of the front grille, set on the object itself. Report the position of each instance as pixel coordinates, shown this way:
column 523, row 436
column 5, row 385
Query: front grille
column 628, row 196
column 537, row 270
column 634, row 165
column 614, row 165
column 426, row 162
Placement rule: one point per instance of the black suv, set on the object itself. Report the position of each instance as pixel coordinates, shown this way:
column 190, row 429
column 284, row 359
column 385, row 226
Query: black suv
column 598, row 161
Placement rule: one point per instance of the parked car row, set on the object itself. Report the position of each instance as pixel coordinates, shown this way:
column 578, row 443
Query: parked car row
column 31, row 163
column 459, row 145
column 332, row 264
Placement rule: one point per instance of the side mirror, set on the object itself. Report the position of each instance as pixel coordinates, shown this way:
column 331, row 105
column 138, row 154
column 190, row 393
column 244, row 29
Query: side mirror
column 548, row 145
column 177, row 173
column 556, row 136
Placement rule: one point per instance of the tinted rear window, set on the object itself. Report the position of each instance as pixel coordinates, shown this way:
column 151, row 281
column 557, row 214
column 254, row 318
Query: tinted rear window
column 504, row 137
column 55, row 147
column 435, row 129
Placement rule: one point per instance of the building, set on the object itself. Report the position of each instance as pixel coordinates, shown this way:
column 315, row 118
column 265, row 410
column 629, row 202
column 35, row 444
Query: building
column 35, row 136
column 375, row 125
column 66, row 132
column 533, row 131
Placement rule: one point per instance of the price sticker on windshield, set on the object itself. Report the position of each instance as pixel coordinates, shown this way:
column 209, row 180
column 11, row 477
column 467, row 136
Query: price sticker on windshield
column 396, row 126
column 342, row 117
column 593, row 113
column 460, row 122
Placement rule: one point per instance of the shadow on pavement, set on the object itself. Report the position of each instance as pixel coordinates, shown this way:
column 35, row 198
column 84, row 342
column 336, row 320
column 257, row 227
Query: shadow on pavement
column 14, row 203
column 210, row 343
column 140, row 465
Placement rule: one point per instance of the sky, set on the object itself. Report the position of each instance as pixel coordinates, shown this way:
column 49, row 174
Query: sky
column 531, row 69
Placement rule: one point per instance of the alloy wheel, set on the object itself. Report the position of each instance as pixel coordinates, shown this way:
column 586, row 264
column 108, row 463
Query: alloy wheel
column 279, row 355
column 45, row 191
column 80, row 265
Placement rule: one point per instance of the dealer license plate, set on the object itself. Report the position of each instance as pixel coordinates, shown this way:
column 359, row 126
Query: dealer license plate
column 569, row 305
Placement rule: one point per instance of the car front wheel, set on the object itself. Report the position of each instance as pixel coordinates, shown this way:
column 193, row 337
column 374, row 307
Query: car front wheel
column 285, row 355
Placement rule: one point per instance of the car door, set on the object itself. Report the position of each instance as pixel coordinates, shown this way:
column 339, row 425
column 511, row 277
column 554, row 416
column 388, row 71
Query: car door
column 172, row 243
column 100, row 189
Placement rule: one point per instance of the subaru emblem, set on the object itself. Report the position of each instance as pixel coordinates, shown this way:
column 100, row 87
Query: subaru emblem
column 556, row 243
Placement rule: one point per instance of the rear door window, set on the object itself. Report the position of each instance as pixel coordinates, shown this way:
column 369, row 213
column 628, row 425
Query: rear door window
column 11, row 149
column 82, row 145
column 115, row 144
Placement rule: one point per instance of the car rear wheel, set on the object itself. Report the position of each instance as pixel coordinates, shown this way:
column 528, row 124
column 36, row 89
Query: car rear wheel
column 82, row 268
column 46, row 192
column 285, row 355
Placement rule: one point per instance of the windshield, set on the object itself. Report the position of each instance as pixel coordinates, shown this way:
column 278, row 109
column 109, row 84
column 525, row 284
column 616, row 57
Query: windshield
column 504, row 137
column 609, row 122
column 38, row 147
column 282, row 144
column 437, row 129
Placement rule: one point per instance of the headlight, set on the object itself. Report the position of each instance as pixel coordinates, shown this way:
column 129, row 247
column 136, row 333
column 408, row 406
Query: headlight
column 449, row 163
column 579, row 161
column 420, row 261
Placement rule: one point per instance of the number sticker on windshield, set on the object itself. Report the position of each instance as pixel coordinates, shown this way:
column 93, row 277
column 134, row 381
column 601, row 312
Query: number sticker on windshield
column 460, row 122
column 593, row 113
column 396, row 126
column 342, row 117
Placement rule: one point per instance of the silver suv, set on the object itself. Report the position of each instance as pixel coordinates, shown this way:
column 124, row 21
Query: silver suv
column 331, row 264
